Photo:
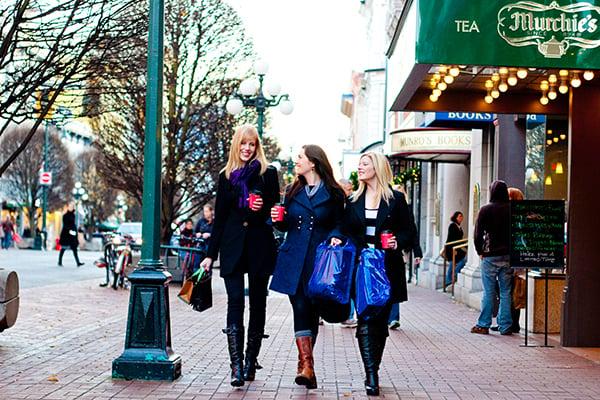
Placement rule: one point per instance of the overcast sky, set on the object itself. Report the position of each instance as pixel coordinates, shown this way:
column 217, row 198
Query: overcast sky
column 311, row 47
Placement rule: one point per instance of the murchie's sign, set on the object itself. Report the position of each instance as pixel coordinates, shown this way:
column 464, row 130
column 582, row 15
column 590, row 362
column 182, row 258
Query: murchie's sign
column 557, row 33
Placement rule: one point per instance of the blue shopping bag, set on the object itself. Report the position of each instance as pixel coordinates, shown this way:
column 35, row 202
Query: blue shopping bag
column 372, row 284
column 332, row 275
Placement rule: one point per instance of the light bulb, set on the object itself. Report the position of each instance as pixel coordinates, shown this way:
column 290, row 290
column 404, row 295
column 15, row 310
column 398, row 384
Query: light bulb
column 549, row 142
column 559, row 168
column 549, row 132
column 555, row 140
column 234, row 106
column 522, row 73
column 588, row 75
column 489, row 99
column 495, row 93
column 563, row 136
column 442, row 86
column 437, row 77
column 575, row 81
column 503, row 71
column 503, row 87
column 489, row 84
column 548, row 181
column 454, row 71
column 433, row 98
column 552, row 78
column 563, row 73
column 544, row 85
column 544, row 100
column 563, row 88
column 552, row 95
column 448, row 79
column 495, row 77
column 512, row 80
column 437, row 92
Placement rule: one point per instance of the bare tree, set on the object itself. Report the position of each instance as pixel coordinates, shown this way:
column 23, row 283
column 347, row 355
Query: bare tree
column 205, row 44
column 22, row 177
column 56, row 47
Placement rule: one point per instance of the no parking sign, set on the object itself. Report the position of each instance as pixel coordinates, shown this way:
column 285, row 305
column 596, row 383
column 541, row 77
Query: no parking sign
column 46, row 178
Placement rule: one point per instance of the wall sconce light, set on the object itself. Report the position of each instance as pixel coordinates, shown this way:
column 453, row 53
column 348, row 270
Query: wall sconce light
column 548, row 181
column 559, row 168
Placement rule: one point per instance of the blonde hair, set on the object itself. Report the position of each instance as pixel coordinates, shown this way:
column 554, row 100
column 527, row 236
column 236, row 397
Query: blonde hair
column 234, row 162
column 383, row 176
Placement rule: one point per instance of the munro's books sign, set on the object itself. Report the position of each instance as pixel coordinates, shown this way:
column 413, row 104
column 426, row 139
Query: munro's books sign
column 550, row 34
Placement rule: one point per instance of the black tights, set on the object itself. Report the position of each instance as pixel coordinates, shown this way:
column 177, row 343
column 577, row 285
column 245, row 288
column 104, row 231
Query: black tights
column 306, row 316
column 62, row 251
column 257, row 291
column 377, row 325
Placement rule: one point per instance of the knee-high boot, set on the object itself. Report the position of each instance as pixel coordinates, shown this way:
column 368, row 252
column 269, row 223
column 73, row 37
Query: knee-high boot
column 235, row 344
column 371, row 350
column 252, row 350
column 306, row 363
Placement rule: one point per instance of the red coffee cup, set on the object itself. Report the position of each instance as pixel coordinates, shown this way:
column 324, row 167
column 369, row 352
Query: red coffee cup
column 255, row 195
column 280, row 213
column 385, row 239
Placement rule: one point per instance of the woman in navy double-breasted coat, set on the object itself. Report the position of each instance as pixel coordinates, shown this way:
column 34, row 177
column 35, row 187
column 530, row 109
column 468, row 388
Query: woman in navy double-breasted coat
column 314, row 208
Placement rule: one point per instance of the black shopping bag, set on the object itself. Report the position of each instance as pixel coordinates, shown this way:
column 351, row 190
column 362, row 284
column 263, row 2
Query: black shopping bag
column 202, row 293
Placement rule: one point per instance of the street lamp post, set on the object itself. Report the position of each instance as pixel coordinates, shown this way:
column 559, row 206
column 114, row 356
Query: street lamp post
column 251, row 94
column 79, row 193
column 148, row 354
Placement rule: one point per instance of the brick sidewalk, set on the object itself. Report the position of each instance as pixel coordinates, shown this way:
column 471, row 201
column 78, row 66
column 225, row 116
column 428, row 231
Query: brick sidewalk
column 67, row 336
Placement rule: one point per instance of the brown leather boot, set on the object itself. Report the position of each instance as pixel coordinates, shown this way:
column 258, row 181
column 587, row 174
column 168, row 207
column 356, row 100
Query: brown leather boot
column 306, row 364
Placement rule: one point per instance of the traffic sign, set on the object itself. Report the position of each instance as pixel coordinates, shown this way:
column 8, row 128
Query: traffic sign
column 46, row 178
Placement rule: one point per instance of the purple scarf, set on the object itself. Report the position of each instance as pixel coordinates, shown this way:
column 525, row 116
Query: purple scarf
column 239, row 179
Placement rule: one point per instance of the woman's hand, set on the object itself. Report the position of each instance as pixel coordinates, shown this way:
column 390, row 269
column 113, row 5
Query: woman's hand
column 335, row 241
column 257, row 205
column 206, row 264
column 417, row 260
column 274, row 213
column 393, row 245
column 205, row 235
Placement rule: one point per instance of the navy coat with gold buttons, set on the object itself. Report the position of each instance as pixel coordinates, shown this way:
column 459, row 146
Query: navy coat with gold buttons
column 308, row 222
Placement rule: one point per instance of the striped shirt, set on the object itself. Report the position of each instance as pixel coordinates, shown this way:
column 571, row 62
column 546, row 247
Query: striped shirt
column 370, row 218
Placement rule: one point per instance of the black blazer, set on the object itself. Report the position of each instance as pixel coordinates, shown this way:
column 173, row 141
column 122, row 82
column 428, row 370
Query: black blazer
column 394, row 216
column 235, row 230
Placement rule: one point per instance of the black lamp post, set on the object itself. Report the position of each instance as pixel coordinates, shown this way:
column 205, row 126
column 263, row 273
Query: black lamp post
column 251, row 94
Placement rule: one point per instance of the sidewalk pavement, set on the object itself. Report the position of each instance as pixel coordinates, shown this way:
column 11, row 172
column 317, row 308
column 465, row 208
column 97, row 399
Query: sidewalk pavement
column 68, row 334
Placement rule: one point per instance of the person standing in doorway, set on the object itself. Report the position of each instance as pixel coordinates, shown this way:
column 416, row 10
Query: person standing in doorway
column 314, row 206
column 455, row 232
column 373, row 209
column 243, row 236
column 492, row 242
column 68, row 235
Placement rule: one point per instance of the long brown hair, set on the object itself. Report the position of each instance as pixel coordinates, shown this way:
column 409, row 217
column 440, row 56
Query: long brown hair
column 317, row 156
column 234, row 162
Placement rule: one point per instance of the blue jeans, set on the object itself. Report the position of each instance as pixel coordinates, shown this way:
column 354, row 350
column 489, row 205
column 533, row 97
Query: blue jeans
column 496, row 269
column 459, row 266
column 394, row 313
column 7, row 240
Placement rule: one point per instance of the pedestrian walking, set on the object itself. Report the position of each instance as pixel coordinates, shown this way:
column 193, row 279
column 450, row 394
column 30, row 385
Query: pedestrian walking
column 9, row 229
column 314, row 206
column 68, row 235
column 492, row 242
column 455, row 232
column 373, row 209
column 243, row 237
column 204, row 225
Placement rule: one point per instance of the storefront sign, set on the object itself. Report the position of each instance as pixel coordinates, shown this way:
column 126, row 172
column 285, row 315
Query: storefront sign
column 431, row 141
column 558, row 33
column 537, row 233
column 458, row 117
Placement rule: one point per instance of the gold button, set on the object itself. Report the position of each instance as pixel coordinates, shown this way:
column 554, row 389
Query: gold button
column 245, row 223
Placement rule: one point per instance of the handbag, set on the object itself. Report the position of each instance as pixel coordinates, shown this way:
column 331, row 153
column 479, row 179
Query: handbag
column 373, row 288
column 331, row 279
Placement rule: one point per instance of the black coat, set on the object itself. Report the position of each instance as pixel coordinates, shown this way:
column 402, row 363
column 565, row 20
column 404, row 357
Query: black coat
column 235, row 230
column 68, row 233
column 455, row 233
column 492, row 228
column 395, row 217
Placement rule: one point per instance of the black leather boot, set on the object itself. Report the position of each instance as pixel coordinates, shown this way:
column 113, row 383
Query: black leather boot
column 235, row 344
column 369, row 352
column 252, row 350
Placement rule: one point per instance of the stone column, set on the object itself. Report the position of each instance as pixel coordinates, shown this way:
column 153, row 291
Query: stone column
column 509, row 151
column 581, row 308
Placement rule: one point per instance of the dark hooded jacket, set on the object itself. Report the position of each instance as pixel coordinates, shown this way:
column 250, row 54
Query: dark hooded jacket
column 492, row 229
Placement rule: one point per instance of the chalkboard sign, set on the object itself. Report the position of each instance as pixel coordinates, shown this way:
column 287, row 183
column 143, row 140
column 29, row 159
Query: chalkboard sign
column 537, row 233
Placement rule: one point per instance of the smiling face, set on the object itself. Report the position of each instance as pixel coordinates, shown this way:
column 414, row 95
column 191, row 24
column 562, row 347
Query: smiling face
column 303, row 164
column 247, row 149
column 366, row 169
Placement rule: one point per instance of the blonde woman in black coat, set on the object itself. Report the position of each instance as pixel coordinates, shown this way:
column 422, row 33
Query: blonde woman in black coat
column 243, row 235
column 372, row 209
